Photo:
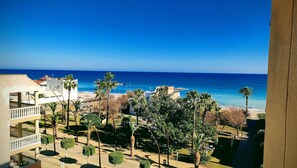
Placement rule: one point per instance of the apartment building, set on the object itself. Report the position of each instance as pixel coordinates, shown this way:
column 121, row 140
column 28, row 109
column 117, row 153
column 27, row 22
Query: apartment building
column 15, row 140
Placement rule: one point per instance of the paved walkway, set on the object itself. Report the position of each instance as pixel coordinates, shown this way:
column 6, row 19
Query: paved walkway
column 76, row 153
column 244, row 157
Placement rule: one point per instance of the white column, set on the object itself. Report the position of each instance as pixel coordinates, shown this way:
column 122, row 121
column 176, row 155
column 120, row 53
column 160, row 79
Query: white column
column 36, row 95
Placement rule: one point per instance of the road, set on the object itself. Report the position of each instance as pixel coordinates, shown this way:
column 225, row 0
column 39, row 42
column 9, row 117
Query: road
column 244, row 157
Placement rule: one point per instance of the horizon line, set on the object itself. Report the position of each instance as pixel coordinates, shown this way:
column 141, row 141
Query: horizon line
column 141, row 71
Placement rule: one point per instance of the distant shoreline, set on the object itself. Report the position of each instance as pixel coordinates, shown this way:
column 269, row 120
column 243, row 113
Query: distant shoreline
column 89, row 95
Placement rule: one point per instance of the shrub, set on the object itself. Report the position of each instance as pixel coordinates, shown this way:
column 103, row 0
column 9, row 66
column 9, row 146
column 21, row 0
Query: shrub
column 47, row 139
column 88, row 151
column 145, row 164
column 67, row 143
column 262, row 116
column 115, row 158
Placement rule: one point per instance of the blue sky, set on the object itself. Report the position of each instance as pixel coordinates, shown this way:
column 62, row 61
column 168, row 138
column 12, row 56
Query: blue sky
column 136, row 35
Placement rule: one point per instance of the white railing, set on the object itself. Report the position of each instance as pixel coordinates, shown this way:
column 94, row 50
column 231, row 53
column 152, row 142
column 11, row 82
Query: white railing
column 25, row 142
column 23, row 112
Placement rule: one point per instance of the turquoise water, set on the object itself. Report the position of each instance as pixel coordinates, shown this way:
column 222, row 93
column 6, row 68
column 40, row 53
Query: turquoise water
column 223, row 87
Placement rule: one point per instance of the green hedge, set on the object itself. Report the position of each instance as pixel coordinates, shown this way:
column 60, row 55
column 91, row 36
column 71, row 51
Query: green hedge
column 67, row 143
column 116, row 158
column 47, row 139
column 88, row 150
column 145, row 164
column 262, row 116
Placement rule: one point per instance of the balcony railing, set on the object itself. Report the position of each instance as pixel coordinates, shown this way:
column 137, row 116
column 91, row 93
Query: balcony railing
column 25, row 142
column 23, row 112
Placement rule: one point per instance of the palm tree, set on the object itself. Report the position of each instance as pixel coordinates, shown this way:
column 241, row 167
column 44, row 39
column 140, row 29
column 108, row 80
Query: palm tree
column 77, row 106
column 44, row 117
column 108, row 85
column 139, row 101
column 133, row 128
column 53, row 106
column 90, row 121
column 54, row 119
column 246, row 92
column 69, row 84
column 100, row 93
column 199, row 142
column 207, row 105
column 193, row 103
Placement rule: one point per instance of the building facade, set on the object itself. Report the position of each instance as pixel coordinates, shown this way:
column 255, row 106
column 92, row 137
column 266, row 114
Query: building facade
column 53, row 90
column 14, row 139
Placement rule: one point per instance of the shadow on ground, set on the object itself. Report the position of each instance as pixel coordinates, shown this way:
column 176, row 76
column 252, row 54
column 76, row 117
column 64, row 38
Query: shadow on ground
column 89, row 166
column 224, row 152
column 49, row 153
column 68, row 160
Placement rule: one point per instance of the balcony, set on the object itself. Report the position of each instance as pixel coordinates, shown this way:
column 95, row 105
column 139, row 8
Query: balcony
column 24, row 143
column 24, row 114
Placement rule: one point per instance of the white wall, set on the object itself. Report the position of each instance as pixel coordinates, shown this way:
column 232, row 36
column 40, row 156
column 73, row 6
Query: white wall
column 57, row 85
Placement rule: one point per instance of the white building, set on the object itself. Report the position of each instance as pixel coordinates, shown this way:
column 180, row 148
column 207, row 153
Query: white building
column 53, row 90
column 15, row 142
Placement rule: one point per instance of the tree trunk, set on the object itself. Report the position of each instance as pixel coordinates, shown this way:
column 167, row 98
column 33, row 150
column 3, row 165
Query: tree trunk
column 99, row 151
column 56, row 132
column 156, row 142
column 197, row 159
column 137, row 114
column 75, row 118
column 137, row 120
column 99, row 105
column 68, row 109
column 159, row 156
column 107, row 109
column 204, row 117
column 88, row 137
column 223, row 127
column 63, row 113
column 65, row 153
column 76, row 134
column 54, row 137
column 132, row 140
column 168, row 152
column 44, row 121
column 115, row 133
column 246, row 104
column 99, row 147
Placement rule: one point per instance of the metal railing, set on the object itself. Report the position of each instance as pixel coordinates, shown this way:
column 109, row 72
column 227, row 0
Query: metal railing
column 24, row 112
column 25, row 142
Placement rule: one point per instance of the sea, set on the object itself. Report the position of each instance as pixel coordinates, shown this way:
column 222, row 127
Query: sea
column 223, row 87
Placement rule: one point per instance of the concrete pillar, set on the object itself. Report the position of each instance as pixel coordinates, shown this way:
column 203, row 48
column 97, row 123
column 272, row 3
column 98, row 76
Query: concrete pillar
column 280, row 148
column 19, row 99
column 20, row 134
column 36, row 96
column 37, row 132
